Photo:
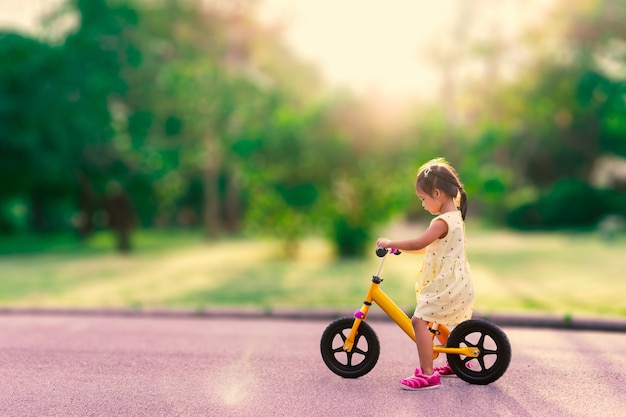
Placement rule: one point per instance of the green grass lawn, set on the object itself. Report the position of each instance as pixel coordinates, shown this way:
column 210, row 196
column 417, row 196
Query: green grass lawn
column 559, row 274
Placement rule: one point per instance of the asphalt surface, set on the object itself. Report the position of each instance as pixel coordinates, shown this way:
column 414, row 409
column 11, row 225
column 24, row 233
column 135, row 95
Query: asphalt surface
column 103, row 365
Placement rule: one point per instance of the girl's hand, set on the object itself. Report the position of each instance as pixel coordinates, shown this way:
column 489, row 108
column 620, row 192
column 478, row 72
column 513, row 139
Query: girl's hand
column 385, row 243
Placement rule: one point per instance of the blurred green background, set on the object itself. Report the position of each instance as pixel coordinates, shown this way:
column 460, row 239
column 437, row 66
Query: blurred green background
column 181, row 154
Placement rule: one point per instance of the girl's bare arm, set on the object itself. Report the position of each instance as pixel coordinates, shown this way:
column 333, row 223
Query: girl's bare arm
column 437, row 230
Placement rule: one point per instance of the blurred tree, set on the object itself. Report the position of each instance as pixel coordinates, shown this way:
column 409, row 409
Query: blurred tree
column 46, row 123
column 543, row 133
column 56, row 124
column 94, row 55
column 577, row 104
column 374, row 179
column 26, row 98
column 217, row 83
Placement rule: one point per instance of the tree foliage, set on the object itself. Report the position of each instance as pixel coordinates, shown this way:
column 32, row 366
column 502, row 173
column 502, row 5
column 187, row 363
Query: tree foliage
column 192, row 115
column 186, row 114
column 573, row 118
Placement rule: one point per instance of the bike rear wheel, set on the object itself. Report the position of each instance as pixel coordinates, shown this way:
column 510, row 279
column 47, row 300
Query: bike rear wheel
column 494, row 357
column 363, row 356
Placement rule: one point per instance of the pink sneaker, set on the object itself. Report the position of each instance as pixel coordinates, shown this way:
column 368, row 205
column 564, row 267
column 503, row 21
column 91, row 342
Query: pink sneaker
column 445, row 370
column 419, row 381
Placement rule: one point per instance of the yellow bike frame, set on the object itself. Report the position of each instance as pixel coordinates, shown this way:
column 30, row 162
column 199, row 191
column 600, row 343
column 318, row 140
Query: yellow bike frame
column 375, row 294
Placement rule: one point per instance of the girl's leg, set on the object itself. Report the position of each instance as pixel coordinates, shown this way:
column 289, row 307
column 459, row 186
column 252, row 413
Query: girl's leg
column 424, row 343
column 426, row 378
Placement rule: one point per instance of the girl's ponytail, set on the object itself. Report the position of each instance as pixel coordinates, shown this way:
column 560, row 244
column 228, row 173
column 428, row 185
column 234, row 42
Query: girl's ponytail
column 462, row 193
column 463, row 201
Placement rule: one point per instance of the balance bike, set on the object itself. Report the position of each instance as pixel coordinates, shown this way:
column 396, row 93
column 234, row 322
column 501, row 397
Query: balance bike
column 477, row 350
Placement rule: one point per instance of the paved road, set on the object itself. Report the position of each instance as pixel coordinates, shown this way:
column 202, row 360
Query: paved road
column 113, row 366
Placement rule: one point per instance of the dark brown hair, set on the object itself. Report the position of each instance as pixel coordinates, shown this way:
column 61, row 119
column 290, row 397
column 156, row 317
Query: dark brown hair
column 439, row 174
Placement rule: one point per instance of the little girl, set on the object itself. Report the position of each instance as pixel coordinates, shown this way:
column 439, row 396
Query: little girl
column 445, row 293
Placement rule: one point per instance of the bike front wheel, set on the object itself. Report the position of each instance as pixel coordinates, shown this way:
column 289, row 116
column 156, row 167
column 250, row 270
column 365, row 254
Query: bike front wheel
column 357, row 362
column 494, row 347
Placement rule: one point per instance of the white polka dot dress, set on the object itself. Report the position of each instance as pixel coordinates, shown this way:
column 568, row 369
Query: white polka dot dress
column 445, row 292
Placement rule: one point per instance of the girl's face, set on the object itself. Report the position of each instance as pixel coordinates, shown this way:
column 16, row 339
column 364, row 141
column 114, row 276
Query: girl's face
column 430, row 203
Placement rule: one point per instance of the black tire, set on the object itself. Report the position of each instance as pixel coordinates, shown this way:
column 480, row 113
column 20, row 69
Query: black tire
column 495, row 352
column 363, row 356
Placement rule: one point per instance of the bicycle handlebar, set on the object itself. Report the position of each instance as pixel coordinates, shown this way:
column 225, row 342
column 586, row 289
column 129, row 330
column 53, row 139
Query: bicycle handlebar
column 382, row 251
